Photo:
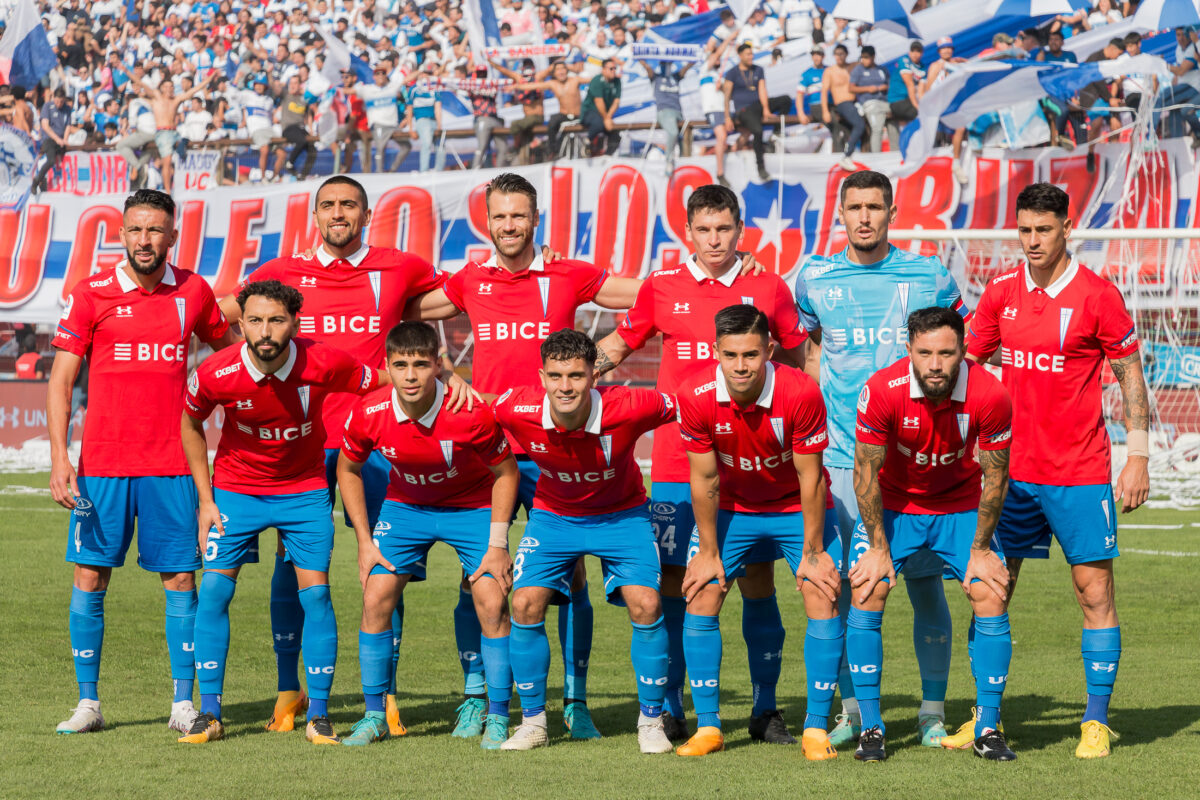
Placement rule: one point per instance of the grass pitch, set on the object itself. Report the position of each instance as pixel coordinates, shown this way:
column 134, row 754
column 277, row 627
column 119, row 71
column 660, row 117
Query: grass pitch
column 1156, row 708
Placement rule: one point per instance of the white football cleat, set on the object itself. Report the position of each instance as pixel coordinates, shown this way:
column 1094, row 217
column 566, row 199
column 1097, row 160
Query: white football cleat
column 652, row 738
column 183, row 714
column 84, row 719
column 529, row 735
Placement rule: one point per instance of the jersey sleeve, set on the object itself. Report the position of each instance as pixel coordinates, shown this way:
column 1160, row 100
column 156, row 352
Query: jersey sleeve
column 588, row 280
column 423, row 276
column 785, row 321
column 453, row 287
column 804, row 307
column 638, row 326
column 874, row 416
column 948, row 295
column 268, row 271
column 693, row 427
column 809, row 434
column 1114, row 326
column 995, row 419
column 345, row 373
column 357, row 443
column 652, row 408
column 75, row 326
column 211, row 325
column 487, row 439
column 983, row 334
column 198, row 403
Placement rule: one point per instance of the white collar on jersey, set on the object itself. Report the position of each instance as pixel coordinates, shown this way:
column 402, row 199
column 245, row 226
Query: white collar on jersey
column 764, row 397
column 427, row 420
column 128, row 284
column 725, row 280
column 593, row 420
column 1056, row 288
column 326, row 258
column 537, row 265
column 282, row 373
column 958, row 394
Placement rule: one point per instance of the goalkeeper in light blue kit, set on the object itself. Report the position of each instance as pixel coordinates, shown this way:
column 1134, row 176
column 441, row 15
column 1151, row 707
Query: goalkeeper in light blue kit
column 854, row 306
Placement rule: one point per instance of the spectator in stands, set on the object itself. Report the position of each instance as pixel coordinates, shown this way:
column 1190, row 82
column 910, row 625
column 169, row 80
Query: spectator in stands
column 600, row 106
column 869, row 83
column 837, row 98
column 258, row 110
column 426, row 109
column 484, row 99
column 1104, row 14
column 530, row 100
column 665, row 79
column 353, row 130
column 56, row 117
column 1054, row 52
column 808, row 92
column 565, row 87
column 383, row 116
column 1183, row 95
column 745, row 85
column 30, row 365
column 903, row 85
column 295, row 113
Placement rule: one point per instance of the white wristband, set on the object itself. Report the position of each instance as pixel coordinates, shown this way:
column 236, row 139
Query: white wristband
column 498, row 537
column 1137, row 443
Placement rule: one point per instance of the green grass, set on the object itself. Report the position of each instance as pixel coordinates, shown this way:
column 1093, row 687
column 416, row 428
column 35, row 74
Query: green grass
column 1156, row 708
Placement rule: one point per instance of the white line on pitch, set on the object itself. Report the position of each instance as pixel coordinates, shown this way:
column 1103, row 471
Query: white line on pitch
column 1171, row 553
column 1156, row 527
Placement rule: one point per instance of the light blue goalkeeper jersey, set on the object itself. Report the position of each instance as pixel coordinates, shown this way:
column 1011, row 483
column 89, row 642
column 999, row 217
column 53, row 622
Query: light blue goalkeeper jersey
column 862, row 312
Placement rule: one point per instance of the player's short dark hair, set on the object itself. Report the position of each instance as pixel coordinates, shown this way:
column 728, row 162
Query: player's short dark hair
column 713, row 197
column 924, row 320
column 740, row 320
column 412, row 337
column 567, row 345
column 1044, row 198
column 288, row 296
column 345, row 180
column 867, row 179
column 152, row 198
column 511, row 183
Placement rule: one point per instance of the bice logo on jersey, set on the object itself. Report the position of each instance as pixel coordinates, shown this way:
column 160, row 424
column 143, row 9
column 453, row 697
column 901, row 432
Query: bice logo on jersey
column 148, row 351
column 1028, row 359
column 504, row 331
column 339, row 323
column 758, row 463
column 308, row 281
column 682, row 308
column 124, row 311
column 686, row 351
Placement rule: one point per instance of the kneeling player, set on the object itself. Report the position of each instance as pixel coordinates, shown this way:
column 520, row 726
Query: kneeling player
column 454, row 480
column 590, row 500
column 269, row 472
column 918, row 486
column 742, row 422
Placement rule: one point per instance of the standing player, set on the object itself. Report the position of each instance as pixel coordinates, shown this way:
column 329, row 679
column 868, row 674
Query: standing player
column 515, row 299
column 754, row 435
column 589, row 501
column 1054, row 322
column 918, row 486
column 354, row 294
column 454, row 481
column 123, row 320
column 680, row 303
column 855, row 307
column 268, row 473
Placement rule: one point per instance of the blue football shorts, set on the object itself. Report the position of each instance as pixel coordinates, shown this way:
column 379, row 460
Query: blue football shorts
column 922, row 564
column 1082, row 518
column 740, row 532
column 303, row 519
column 948, row 536
column 671, row 515
column 405, row 533
column 101, row 527
column 376, row 473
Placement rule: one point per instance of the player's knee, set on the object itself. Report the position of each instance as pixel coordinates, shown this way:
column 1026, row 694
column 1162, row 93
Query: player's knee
column 644, row 606
column 1096, row 594
column 527, row 607
column 490, row 607
column 178, row 581
column 92, row 579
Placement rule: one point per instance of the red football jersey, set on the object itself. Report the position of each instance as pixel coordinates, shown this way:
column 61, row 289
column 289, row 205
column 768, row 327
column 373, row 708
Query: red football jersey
column 589, row 471
column 441, row 459
column 351, row 304
column 512, row 314
column 1053, row 343
column 930, row 466
column 136, row 344
column 272, row 440
column 680, row 304
column 755, row 444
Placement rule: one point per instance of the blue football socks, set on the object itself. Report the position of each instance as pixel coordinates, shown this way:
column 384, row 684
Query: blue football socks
column 575, row 637
column 823, row 645
column 1101, row 650
column 320, row 643
column 673, row 610
column 87, row 638
column 648, row 652
column 702, row 649
column 374, row 661
column 932, row 634
column 864, row 645
column 762, row 628
column 498, row 670
column 993, row 654
column 212, row 637
column 180, row 627
column 845, row 682
column 397, row 637
column 529, row 650
column 287, row 625
column 467, row 635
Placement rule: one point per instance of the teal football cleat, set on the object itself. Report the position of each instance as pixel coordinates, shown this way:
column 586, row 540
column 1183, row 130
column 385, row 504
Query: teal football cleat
column 495, row 732
column 845, row 732
column 368, row 730
column 470, row 718
column 932, row 729
column 577, row 721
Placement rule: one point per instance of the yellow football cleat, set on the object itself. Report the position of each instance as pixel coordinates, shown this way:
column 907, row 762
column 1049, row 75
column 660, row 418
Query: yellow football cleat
column 816, row 745
column 706, row 740
column 964, row 737
column 206, row 728
column 395, row 726
column 320, row 731
column 1094, row 740
column 288, row 706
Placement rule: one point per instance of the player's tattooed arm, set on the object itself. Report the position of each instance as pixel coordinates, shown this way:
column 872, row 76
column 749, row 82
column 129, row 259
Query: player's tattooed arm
column 610, row 352
column 1133, row 484
column 991, row 501
column 868, row 460
column 1133, row 391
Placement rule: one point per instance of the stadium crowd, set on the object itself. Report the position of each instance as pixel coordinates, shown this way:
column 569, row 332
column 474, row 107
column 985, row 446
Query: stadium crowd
column 149, row 78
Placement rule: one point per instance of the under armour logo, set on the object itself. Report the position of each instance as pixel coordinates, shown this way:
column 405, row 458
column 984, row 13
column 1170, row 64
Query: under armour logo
column 724, row 427
column 312, row 281
column 769, row 655
column 912, row 422
column 388, row 452
column 683, row 308
column 244, row 404
column 124, row 311
column 537, row 447
column 485, row 288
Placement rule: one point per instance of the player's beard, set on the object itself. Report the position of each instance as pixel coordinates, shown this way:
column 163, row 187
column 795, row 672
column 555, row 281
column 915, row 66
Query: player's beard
column 340, row 238
column 274, row 353
column 942, row 393
column 869, row 245
column 513, row 249
column 147, row 270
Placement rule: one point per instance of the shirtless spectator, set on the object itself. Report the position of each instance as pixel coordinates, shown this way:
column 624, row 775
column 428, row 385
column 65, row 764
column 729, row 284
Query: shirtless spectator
column 165, row 105
column 836, row 95
column 565, row 87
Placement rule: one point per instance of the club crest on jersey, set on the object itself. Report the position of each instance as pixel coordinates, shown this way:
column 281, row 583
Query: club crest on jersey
column 308, row 280
column 181, row 307
column 777, row 428
column 964, row 422
column 544, row 290
column 911, row 423
column 447, row 452
column 194, row 382
column 373, row 277
column 1064, row 322
column 304, row 392
column 606, row 446
column 902, row 295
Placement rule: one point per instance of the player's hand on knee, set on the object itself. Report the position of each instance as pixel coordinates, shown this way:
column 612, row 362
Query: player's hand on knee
column 64, row 485
column 461, row 393
column 702, row 570
column 1133, row 484
column 497, row 563
column 368, row 557
column 208, row 516
column 873, row 566
column 819, row 570
column 989, row 569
